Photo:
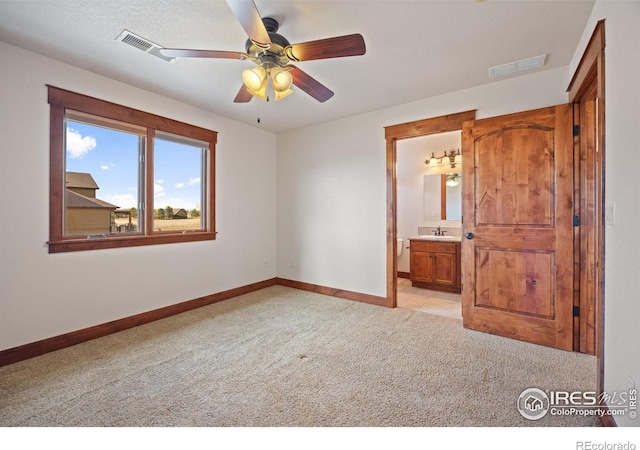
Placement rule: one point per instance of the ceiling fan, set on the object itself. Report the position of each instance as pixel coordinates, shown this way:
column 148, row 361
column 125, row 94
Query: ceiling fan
column 273, row 55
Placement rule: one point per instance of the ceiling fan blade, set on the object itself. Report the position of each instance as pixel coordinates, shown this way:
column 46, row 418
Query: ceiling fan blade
column 310, row 85
column 247, row 14
column 243, row 95
column 337, row 47
column 190, row 53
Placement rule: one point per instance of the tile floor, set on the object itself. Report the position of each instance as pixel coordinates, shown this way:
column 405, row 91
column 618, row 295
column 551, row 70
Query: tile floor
column 428, row 301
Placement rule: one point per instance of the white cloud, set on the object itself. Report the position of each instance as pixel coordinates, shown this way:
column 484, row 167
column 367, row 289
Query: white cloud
column 191, row 182
column 106, row 166
column 158, row 188
column 78, row 145
column 123, row 201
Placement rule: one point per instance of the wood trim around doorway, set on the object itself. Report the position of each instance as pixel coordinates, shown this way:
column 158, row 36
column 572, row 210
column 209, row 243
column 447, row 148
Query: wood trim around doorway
column 393, row 133
column 588, row 86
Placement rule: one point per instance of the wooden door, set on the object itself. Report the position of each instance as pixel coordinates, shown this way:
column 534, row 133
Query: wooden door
column 517, row 249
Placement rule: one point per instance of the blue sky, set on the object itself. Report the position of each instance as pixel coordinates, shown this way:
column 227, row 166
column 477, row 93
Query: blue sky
column 111, row 157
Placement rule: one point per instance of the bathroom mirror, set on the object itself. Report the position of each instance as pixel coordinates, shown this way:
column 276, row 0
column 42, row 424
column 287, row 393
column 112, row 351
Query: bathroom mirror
column 451, row 196
column 442, row 196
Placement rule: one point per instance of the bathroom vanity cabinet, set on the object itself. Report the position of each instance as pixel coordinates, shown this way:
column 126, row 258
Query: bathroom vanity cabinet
column 435, row 264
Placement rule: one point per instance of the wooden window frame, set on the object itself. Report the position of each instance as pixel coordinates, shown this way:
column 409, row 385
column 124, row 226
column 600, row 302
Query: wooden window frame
column 60, row 100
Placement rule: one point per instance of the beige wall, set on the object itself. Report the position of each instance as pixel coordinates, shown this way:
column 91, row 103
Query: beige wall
column 44, row 295
column 332, row 189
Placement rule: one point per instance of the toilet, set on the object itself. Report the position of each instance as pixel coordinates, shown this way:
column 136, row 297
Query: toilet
column 399, row 247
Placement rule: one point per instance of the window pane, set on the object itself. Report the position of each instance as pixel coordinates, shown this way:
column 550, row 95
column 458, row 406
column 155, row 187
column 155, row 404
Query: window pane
column 179, row 177
column 102, row 181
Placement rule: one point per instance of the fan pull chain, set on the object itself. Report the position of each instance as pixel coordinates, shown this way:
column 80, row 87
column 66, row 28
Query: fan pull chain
column 258, row 107
column 258, row 119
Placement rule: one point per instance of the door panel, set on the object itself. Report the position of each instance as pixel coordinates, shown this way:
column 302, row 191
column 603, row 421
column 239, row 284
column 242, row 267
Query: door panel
column 515, row 186
column 445, row 268
column 518, row 194
column 531, row 297
column 421, row 267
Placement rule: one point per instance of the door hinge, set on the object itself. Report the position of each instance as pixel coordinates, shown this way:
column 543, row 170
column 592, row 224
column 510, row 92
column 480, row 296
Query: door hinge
column 576, row 221
column 576, row 130
column 576, row 311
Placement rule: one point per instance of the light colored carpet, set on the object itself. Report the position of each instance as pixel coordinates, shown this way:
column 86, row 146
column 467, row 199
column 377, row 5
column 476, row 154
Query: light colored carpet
column 284, row 357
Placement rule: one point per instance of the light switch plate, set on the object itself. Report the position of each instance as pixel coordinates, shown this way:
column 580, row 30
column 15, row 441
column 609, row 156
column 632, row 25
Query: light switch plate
column 610, row 214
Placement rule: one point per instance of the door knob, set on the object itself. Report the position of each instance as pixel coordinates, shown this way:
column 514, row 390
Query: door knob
column 469, row 235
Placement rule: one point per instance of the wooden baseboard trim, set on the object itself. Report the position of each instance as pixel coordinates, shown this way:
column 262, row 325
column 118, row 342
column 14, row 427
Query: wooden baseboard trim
column 404, row 275
column 333, row 292
column 44, row 346
column 38, row 348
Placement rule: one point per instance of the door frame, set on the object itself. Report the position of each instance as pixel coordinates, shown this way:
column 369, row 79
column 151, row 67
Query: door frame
column 589, row 79
column 394, row 133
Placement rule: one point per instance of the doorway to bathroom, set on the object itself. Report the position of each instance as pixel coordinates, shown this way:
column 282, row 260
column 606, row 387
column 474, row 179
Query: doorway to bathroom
column 399, row 288
column 429, row 210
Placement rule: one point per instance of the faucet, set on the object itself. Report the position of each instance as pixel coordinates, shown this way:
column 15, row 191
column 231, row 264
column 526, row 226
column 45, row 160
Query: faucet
column 439, row 232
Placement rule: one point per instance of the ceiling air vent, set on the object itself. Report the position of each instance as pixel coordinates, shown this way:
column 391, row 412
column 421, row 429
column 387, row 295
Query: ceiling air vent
column 143, row 44
column 518, row 66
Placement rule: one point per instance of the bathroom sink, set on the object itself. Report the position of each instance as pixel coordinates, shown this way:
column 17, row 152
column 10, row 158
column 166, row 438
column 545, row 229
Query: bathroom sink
column 431, row 237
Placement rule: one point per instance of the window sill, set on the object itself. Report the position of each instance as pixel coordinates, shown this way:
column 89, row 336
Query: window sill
column 75, row 245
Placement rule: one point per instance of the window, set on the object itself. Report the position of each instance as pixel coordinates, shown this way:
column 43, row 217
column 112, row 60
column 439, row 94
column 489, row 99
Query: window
column 120, row 177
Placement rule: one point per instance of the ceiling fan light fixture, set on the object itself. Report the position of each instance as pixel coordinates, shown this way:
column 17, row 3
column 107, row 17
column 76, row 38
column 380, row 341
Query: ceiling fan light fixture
column 453, row 179
column 279, row 95
column 281, row 80
column 255, row 78
column 273, row 53
column 262, row 92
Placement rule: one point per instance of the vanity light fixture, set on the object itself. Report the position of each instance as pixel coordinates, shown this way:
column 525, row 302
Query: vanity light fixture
column 450, row 158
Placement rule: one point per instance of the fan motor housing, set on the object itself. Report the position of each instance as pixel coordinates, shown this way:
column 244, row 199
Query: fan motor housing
column 278, row 44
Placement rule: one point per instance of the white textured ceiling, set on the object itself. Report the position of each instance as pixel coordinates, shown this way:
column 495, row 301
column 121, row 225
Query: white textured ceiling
column 415, row 49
